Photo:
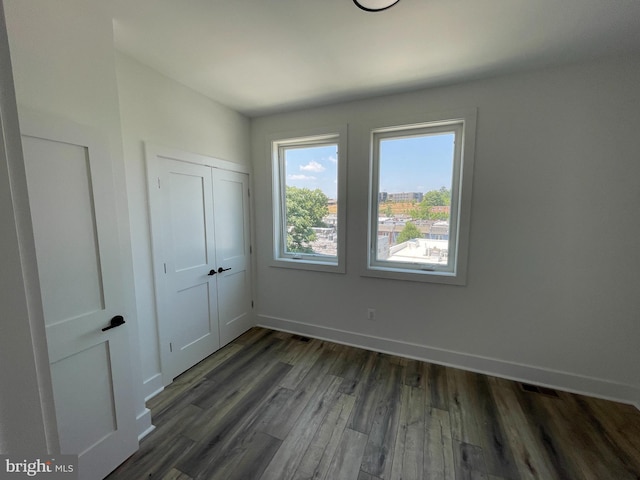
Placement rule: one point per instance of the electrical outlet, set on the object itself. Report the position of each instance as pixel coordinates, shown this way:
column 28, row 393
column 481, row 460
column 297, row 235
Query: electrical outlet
column 371, row 314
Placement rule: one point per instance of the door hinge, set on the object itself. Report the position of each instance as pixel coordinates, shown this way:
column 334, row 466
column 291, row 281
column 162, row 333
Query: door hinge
column 249, row 192
column 250, row 249
column 165, row 267
column 170, row 347
column 158, row 182
column 251, row 303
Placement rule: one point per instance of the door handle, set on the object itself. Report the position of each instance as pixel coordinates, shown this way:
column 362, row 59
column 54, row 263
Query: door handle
column 220, row 269
column 115, row 322
column 211, row 273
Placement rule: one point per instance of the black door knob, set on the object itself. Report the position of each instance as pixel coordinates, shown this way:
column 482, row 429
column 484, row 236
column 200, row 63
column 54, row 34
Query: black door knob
column 220, row 269
column 115, row 322
column 211, row 273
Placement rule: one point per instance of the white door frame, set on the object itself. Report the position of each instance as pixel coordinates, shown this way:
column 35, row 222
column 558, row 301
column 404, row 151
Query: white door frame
column 153, row 153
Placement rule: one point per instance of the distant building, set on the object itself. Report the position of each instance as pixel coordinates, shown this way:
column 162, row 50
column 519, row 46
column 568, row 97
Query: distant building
column 440, row 209
column 390, row 228
column 383, row 248
column 326, row 242
column 421, row 250
column 439, row 231
column 331, row 220
column 404, row 197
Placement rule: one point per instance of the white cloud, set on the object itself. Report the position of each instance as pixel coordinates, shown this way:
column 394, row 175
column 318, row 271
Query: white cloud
column 333, row 159
column 300, row 177
column 312, row 166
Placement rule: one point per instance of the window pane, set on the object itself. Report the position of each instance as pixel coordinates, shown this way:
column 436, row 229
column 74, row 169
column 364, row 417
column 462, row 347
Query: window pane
column 310, row 199
column 415, row 174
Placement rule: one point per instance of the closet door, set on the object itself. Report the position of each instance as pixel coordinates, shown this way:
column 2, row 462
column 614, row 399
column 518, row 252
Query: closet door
column 187, row 297
column 200, row 230
column 231, row 218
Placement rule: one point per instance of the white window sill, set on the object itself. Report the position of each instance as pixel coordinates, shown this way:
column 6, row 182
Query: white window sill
column 315, row 265
column 427, row 276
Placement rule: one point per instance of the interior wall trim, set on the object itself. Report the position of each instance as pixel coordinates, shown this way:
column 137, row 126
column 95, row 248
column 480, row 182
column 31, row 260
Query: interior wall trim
column 152, row 386
column 595, row 387
column 143, row 424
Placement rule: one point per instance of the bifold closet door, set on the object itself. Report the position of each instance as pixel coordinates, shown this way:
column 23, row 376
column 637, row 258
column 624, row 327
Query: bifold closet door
column 204, row 286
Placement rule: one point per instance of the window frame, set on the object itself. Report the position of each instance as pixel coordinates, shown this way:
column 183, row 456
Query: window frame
column 307, row 138
column 464, row 125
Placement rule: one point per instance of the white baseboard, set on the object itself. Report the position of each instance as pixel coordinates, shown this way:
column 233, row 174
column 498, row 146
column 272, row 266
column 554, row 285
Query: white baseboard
column 152, row 386
column 143, row 422
column 594, row 387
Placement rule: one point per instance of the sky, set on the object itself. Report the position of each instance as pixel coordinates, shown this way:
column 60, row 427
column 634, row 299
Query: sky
column 313, row 167
column 416, row 164
column 410, row 164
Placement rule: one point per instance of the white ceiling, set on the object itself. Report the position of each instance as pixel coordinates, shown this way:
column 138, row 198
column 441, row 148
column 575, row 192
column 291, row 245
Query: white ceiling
column 265, row 56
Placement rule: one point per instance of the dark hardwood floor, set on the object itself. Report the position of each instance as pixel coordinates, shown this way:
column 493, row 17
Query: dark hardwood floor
column 275, row 406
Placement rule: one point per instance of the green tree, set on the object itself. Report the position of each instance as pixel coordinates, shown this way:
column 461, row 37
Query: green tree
column 433, row 198
column 408, row 232
column 305, row 209
column 437, row 198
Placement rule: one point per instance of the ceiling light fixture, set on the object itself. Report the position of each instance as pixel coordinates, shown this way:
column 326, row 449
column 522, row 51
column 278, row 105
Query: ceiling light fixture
column 375, row 5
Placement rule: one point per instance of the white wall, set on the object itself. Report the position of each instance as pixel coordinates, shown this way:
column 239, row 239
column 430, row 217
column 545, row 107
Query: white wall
column 26, row 397
column 159, row 110
column 63, row 65
column 553, row 293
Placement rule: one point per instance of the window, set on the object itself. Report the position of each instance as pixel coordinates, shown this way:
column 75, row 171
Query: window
column 420, row 200
column 309, row 206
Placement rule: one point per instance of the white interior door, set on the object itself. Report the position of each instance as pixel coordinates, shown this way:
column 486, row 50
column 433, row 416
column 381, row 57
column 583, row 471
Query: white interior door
column 231, row 215
column 189, row 304
column 72, row 201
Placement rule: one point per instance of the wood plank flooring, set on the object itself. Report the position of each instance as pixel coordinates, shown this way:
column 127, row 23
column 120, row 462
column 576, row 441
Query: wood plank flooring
column 275, row 406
